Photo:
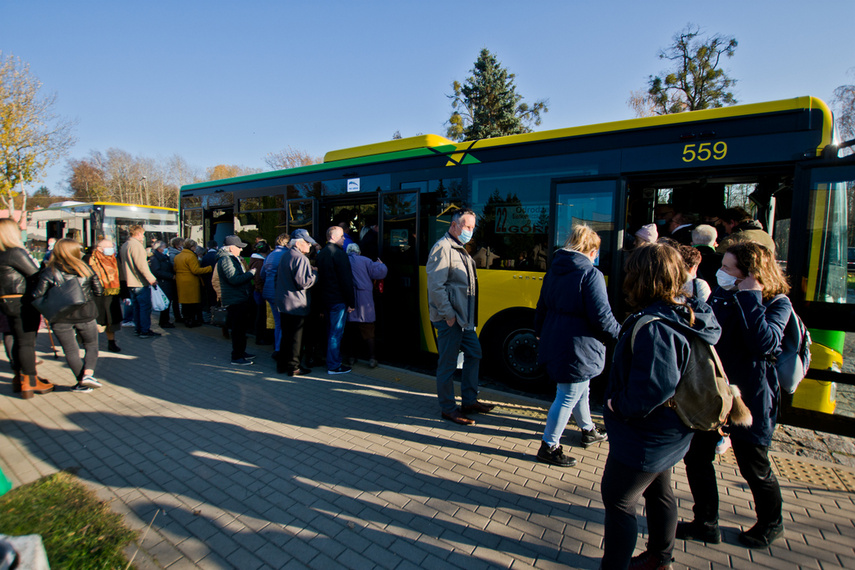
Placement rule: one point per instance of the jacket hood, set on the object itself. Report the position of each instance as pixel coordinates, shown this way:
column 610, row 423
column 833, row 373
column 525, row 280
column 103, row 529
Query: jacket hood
column 706, row 326
column 565, row 261
column 224, row 253
column 749, row 225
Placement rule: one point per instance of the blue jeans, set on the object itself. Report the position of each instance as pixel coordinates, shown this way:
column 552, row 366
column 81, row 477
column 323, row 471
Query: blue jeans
column 141, row 298
column 569, row 398
column 277, row 332
column 449, row 342
column 336, row 319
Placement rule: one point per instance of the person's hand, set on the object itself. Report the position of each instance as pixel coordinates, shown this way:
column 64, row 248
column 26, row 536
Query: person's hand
column 350, row 309
column 450, row 322
column 252, row 270
column 749, row 284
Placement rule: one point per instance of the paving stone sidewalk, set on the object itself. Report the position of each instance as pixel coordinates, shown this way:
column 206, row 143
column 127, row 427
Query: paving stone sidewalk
column 244, row 468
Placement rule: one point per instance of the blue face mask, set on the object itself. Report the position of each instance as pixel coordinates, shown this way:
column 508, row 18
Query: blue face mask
column 661, row 222
column 465, row 236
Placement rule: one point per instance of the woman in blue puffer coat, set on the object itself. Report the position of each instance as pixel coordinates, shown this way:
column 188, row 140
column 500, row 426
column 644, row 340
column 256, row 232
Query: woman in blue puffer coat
column 573, row 321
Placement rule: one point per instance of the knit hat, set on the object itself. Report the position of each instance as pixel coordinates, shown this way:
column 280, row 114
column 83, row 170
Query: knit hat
column 648, row 233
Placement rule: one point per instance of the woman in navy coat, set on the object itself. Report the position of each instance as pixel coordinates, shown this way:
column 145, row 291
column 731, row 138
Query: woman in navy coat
column 573, row 321
column 646, row 437
column 752, row 307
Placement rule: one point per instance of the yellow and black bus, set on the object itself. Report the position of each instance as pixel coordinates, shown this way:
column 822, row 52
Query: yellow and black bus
column 87, row 221
column 529, row 189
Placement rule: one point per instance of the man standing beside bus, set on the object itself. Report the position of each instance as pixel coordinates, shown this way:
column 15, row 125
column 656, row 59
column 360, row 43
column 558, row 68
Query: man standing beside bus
column 134, row 270
column 335, row 279
column 452, row 299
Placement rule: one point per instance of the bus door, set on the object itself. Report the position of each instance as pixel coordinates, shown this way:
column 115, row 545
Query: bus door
column 822, row 264
column 398, row 303
column 302, row 215
column 594, row 203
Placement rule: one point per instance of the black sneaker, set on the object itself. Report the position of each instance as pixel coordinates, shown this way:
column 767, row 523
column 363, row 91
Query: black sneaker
column 649, row 561
column 761, row 535
column 554, row 456
column 241, row 362
column 593, row 436
column 340, row 370
column 149, row 334
column 699, row 531
column 248, row 356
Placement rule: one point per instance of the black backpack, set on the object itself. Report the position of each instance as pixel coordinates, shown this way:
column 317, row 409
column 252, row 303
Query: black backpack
column 704, row 399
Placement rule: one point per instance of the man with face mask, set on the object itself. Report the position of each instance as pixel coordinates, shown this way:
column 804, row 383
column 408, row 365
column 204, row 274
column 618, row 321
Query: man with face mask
column 452, row 299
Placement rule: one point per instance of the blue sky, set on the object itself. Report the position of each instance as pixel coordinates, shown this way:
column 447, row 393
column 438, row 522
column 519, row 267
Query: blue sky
column 228, row 82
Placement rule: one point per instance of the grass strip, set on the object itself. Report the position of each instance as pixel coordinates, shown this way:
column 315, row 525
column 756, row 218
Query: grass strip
column 78, row 530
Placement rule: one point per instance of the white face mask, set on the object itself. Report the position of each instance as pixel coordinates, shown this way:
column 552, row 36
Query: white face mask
column 725, row 280
column 108, row 251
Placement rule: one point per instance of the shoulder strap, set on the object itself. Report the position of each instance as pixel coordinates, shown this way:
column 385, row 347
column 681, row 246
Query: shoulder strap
column 645, row 319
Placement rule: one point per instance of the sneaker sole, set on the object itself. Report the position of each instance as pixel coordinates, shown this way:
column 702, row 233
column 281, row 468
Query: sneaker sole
column 337, row 372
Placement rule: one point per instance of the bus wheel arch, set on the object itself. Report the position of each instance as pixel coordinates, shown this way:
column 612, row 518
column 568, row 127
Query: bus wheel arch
column 510, row 349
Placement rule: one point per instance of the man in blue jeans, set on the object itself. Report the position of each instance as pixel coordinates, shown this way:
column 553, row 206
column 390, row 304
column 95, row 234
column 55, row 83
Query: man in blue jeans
column 134, row 270
column 335, row 279
column 452, row 299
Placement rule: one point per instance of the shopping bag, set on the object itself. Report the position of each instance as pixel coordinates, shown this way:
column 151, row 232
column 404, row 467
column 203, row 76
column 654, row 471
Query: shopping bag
column 159, row 300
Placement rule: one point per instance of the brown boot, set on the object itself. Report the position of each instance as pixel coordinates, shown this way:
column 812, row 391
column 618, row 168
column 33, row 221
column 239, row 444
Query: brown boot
column 41, row 386
column 27, row 387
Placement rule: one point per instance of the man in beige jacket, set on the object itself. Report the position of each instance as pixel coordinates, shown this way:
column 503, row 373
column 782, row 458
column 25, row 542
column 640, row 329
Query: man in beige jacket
column 452, row 299
column 133, row 269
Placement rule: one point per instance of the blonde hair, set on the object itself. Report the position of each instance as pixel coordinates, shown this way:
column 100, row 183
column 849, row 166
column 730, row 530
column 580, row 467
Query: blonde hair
column 583, row 239
column 655, row 272
column 755, row 259
column 68, row 258
column 10, row 234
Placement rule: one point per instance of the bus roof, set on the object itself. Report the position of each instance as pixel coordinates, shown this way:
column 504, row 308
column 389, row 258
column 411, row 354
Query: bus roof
column 75, row 204
column 431, row 145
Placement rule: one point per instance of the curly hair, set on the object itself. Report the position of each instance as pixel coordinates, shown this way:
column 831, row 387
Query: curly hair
column 755, row 259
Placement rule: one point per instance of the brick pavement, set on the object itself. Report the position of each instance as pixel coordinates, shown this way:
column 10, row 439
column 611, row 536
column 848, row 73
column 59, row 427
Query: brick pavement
column 242, row 468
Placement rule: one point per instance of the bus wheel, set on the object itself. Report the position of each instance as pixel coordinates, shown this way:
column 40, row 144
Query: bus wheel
column 512, row 356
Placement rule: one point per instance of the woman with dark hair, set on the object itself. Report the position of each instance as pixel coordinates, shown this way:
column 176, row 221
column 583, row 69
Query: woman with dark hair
column 66, row 263
column 17, row 275
column 573, row 321
column 753, row 309
column 646, row 437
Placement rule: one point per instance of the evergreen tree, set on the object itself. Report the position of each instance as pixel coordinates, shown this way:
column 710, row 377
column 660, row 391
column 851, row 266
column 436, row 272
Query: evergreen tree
column 696, row 81
column 487, row 104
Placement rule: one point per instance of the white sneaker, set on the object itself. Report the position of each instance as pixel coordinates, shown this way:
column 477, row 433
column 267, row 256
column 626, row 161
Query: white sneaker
column 89, row 382
column 723, row 445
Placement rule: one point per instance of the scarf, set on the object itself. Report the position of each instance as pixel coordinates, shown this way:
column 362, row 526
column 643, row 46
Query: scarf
column 107, row 270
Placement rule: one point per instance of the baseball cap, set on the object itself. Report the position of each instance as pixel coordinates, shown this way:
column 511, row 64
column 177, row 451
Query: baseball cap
column 234, row 240
column 303, row 235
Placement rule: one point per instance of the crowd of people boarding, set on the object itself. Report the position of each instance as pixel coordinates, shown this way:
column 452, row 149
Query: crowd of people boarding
column 301, row 296
column 685, row 285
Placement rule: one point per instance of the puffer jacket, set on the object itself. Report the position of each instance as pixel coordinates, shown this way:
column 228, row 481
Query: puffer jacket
column 645, row 434
column 16, row 269
column 235, row 281
column 90, row 284
column 271, row 266
column 573, row 319
column 452, row 283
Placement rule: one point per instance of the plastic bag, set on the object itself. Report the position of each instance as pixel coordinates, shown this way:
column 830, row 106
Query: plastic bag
column 159, row 300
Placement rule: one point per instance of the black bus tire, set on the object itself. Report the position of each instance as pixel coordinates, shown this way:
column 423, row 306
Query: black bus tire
column 510, row 352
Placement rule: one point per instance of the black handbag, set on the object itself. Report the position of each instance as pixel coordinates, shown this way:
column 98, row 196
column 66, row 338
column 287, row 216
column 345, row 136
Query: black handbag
column 10, row 305
column 60, row 299
column 219, row 316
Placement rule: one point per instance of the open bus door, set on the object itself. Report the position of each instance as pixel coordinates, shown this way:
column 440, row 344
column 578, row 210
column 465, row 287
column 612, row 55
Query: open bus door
column 824, row 293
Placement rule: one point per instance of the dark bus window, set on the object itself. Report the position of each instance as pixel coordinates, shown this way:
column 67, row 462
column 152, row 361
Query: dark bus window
column 301, row 216
column 268, row 225
column 220, row 199
column 513, row 218
column 261, row 203
column 191, row 202
column 304, row 190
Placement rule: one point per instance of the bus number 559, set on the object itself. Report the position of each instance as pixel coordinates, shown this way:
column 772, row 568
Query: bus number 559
column 704, row 151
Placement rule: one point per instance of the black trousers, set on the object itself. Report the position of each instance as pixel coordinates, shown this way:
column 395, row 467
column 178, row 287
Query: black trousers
column 622, row 487
column 292, row 340
column 24, row 328
column 700, row 471
column 237, row 321
column 754, row 466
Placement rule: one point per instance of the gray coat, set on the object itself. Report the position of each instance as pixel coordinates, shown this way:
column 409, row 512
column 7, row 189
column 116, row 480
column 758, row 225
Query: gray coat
column 452, row 283
column 293, row 278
